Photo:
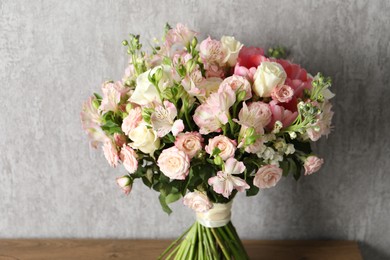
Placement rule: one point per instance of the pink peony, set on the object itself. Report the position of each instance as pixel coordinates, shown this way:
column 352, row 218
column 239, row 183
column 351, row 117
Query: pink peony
column 197, row 201
column 110, row 152
column 124, row 183
column 191, row 143
column 225, row 182
column 129, row 159
column 267, row 176
column 226, row 145
column 131, row 121
column 279, row 113
column 248, row 60
column 282, row 93
column 312, row 164
column 238, row 84
column 174, row 163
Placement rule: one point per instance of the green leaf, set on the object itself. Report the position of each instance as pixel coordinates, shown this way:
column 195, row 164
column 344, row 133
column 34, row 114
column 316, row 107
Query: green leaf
column 292, row 167
column 146, row 181
column 164, row 204
column 172, row 197
column 284, row 165
column 253, row 190
column 98, row 97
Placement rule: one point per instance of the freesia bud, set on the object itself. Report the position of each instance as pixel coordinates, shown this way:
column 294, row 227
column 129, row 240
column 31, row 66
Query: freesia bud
column 218, row 160
column 158, row 75
column 250, row 131
column 95, row 104
column 194, row 42
column 125, row 183
column 241, row 96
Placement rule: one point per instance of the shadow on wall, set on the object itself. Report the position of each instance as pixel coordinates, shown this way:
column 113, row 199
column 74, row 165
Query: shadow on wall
column 370, row 252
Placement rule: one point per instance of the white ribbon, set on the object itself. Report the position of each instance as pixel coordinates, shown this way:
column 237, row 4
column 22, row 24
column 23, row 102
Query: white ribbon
column 218, row 216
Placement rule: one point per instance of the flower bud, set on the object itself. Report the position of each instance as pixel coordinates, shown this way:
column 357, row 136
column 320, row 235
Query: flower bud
column 125, row 183
column 194, row 42
column 218, row 160
column 95, row 103
column 241, row 95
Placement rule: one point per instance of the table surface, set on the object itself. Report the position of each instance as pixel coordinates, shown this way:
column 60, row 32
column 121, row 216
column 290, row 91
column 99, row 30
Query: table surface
column 96, row 249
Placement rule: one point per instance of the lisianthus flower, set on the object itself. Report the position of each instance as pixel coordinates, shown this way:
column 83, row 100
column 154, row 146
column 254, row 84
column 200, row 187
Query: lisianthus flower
column 163, row 120
column 225, row 181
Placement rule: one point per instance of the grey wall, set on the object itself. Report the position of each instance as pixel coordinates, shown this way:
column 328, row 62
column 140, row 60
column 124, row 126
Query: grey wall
column 53, row 54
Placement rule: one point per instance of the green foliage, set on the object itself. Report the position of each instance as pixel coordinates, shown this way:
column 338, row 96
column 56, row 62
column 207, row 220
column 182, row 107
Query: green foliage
column 278, row 52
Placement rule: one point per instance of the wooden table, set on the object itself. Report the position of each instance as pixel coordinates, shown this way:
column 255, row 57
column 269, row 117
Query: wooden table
column 53, row 249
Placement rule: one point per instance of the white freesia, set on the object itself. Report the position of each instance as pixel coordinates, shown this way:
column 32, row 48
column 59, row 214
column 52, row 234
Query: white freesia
column 144, row 139
column 232, row 48
column 268, row 75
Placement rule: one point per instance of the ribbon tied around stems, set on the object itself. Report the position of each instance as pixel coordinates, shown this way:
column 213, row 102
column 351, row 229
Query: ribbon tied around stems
column 218, row 216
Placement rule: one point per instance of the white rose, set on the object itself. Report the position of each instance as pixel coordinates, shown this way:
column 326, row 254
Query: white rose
column 210, row 86
column 268, row 75
column 197, row 201
column 232, row 48
column 145, row 92
column 144, row 139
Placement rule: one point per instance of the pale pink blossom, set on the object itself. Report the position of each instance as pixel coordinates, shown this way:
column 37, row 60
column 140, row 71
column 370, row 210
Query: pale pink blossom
column 268, row 75
column 212, row 52
column 129, row 158
column 174, row 163
column 312, row 164
column 110, row 152
column 255, row 147
column 190, row 142
column 119, row 139
column 282, row 93
column 256, row 115
column 224, row 144
column 249, row 58
column 112, row 94
column 212, row 114
column 279, row 113
column 198, row 201
column 181, row 35
column 238, row 84
column 191, row 83
column 267, row 176
column 124, row 183
column 132, row 120
column 323, row 124
column 163, row 120
column 91, row 121
column 225, row 182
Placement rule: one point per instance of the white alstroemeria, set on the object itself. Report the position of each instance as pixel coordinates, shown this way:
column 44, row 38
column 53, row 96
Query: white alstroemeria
column 163, row 120
column 225, row 182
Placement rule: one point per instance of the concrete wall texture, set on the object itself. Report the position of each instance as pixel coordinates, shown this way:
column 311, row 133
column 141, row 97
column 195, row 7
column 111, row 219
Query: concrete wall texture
column 53, row 54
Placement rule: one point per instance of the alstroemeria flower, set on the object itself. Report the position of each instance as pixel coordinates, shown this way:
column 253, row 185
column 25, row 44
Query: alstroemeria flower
column 256, row 115
column 163, row 120
column 91, row 120
column 225, row 182
column 112, row 94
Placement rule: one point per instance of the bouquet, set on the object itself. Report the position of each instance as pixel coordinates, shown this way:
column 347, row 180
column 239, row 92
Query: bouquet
column 204, row 121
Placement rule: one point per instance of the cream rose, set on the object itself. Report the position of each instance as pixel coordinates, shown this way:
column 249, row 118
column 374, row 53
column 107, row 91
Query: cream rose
column 267, row 176
column 144, row 139
column 312, row 164
column 232, row 48
column 197, row 201
column 174, row 163
column 227, row 146
column 268, row 75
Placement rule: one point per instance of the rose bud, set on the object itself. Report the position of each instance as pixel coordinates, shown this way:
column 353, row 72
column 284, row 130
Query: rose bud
column 125, row 183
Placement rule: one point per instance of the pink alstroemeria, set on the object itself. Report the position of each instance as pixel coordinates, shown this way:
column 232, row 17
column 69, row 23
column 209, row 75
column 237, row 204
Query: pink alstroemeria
column 112, row 94
column 91, row 121
column 225, row 182
column 213, row 114
column 181, row 34
column 163, row 120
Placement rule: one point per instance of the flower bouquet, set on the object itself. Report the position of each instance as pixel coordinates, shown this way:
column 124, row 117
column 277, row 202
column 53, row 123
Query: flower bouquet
column 207, row 120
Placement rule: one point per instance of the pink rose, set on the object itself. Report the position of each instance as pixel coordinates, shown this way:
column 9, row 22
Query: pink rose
column 267, row 176
column 110, row 152
column 131, row 121
column 125, row 184
column 119, row 139
column 190, row 143
column 226, row 145
column 279, row 113
column 238, row 84
column 197, row 201
column 282, row 93
column 129, row 159
column 312, row 164
column 174, row 163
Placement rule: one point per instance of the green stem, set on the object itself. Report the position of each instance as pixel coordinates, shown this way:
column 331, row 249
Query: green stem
column 224, row 250
column 174, row 243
